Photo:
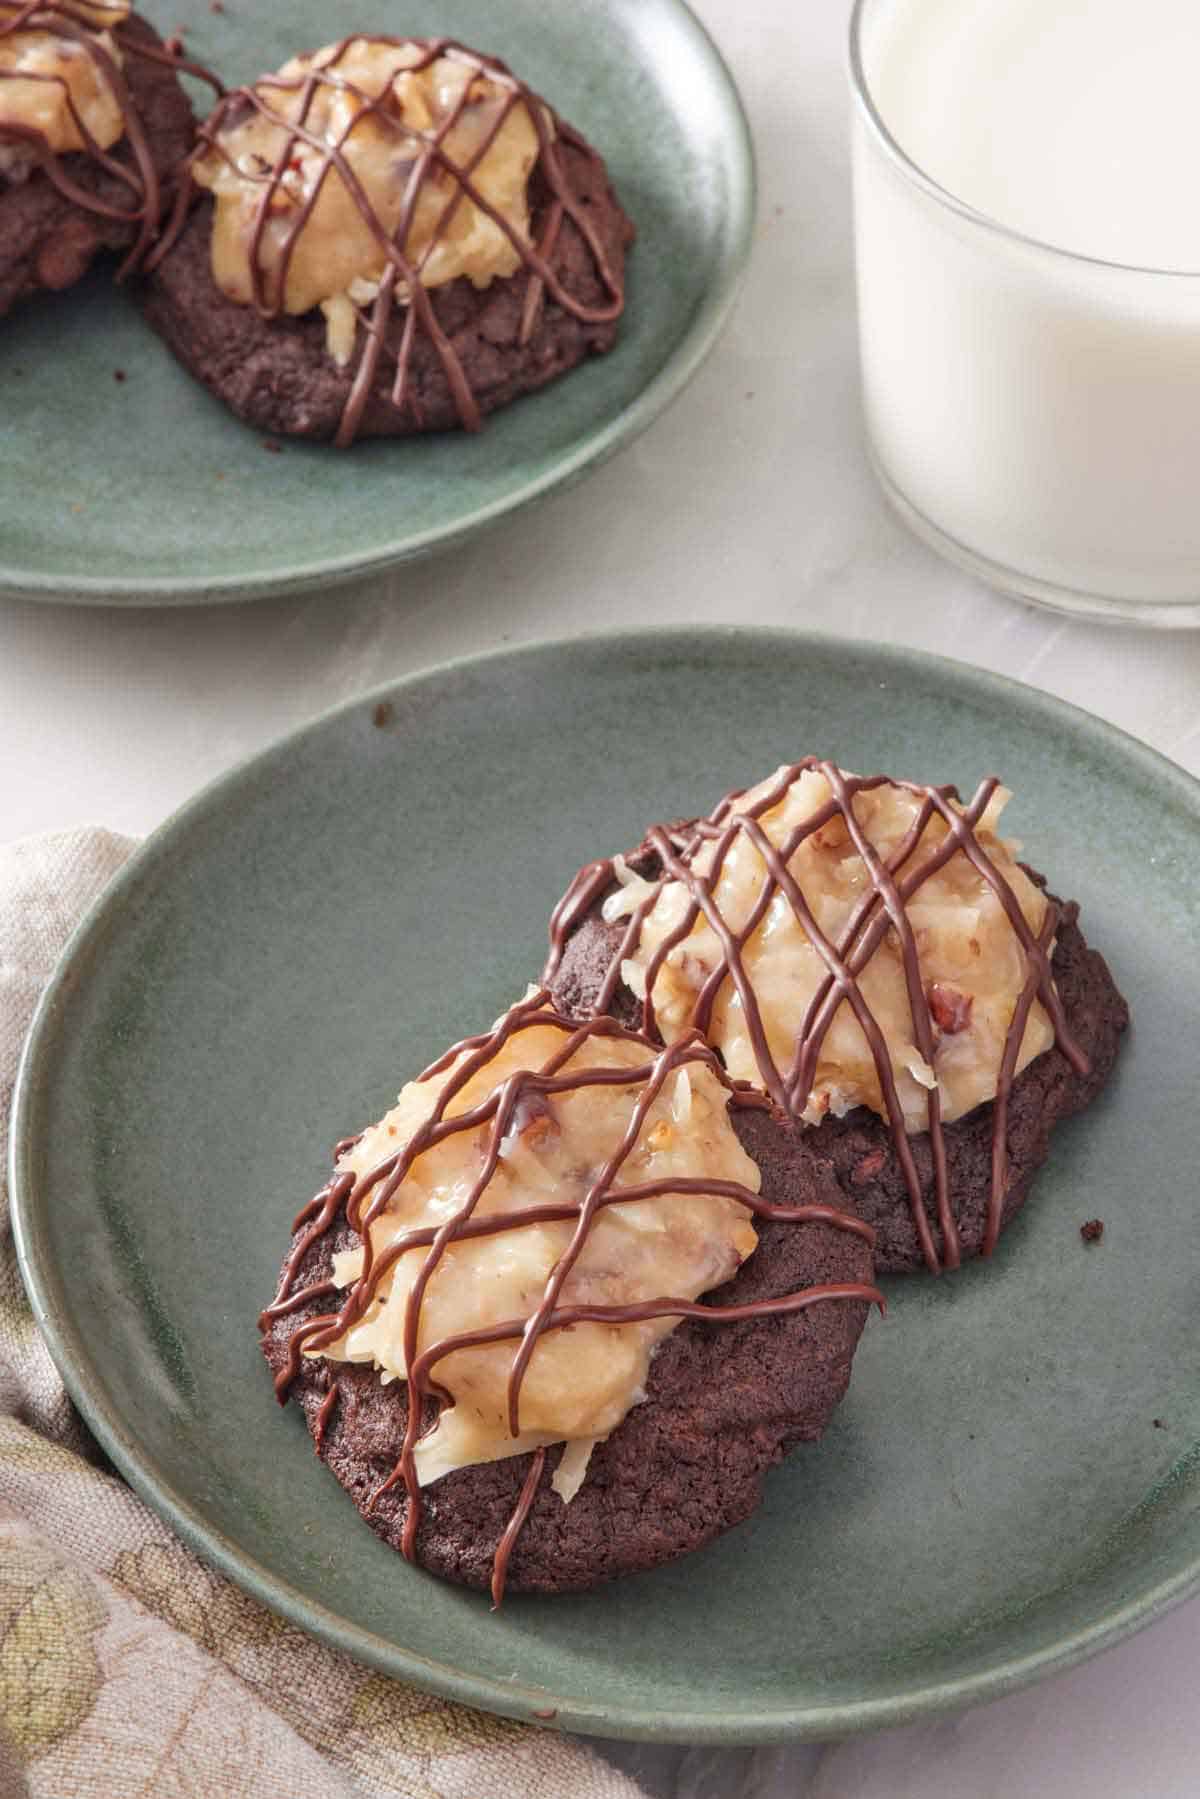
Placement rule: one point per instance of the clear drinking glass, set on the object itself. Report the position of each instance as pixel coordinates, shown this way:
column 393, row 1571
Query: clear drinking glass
column 1032, row 413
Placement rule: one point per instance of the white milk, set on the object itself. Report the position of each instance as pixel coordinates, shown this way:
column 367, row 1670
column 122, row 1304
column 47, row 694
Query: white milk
column 1038, row 410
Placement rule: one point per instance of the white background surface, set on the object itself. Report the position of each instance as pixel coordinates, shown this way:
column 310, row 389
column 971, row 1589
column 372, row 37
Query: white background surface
column 750, row 501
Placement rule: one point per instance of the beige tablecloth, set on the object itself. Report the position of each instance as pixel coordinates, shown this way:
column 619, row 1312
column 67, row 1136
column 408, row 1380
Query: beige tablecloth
column 126, row 1666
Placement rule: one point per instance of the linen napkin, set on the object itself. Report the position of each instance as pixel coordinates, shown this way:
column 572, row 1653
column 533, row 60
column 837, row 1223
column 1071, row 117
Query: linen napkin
column 126, row 1665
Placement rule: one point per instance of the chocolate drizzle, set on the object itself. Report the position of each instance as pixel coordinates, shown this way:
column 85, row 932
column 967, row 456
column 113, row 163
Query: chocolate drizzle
column 882, row 909
column 138, row 176
column 365, row 1197
column 430, row 158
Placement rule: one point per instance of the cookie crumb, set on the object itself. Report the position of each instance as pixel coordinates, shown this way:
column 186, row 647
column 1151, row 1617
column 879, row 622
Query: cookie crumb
column 1092, row 1231
column 119, row 375
column 1159, row 1423
column 383, row 715
column 216, row 6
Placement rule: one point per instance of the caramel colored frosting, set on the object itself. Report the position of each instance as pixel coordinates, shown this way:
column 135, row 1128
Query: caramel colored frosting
column 52, row 80
column 578, row 1385
column 364, row 137
column 971, row 963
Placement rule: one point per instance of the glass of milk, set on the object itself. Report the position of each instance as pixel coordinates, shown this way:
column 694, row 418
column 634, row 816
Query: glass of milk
column 1027, row 207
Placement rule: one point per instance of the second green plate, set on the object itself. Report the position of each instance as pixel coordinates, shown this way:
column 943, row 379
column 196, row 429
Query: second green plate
column 153, row 494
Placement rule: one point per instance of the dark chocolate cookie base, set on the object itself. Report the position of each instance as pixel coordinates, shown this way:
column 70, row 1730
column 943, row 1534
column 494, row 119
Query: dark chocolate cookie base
column 724, row 1404
column 48, row 241
column 858, row 1149
column 278, row 376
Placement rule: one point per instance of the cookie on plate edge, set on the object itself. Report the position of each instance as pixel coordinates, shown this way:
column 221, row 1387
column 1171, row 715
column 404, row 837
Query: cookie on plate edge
column 94, row 127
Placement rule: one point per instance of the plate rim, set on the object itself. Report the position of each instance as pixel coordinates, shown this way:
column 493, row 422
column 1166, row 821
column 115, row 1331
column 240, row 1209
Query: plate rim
column 514, row 1698
column 598, row 446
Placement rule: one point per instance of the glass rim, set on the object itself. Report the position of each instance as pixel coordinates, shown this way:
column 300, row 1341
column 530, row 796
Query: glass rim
column 913, row 171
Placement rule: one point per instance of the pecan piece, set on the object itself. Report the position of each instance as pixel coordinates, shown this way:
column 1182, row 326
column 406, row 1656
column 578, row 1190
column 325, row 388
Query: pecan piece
column 533, row 1120
column 951, row 1009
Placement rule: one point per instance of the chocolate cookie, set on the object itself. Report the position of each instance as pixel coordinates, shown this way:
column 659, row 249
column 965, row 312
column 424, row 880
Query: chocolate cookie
column 59, row 211
column 724, row 1402
column 989, row 1156
column 454, row 353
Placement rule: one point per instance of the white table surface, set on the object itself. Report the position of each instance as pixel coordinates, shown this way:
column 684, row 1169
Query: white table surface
column 750, row 500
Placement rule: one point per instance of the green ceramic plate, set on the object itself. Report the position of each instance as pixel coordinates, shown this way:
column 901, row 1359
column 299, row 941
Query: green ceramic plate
column 993, row 1501
column 153, row 494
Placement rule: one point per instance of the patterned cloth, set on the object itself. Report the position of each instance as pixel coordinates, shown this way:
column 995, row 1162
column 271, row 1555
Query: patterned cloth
column 128, row 1667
